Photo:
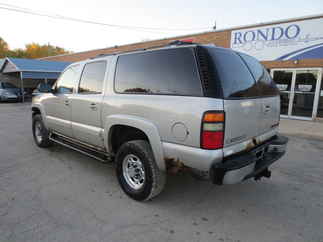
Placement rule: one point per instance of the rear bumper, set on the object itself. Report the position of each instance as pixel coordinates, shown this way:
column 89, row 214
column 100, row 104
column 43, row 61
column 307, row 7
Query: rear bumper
column 253, row 163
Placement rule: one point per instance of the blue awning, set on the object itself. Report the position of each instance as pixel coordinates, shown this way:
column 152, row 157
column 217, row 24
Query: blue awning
column 40, row 75
column 33, row 69
column 20, row 64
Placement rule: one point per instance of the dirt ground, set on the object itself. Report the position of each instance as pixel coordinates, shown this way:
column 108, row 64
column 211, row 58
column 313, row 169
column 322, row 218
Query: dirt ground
column 58, row 194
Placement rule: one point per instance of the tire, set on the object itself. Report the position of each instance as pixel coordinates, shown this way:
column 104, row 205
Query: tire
column 154, row 179
column 40, row 133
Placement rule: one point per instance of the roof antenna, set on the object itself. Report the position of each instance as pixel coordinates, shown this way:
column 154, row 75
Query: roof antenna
column 214, row 27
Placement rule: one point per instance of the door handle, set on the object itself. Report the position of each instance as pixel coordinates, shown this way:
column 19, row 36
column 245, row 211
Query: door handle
column 267, row 108
column 93, row 106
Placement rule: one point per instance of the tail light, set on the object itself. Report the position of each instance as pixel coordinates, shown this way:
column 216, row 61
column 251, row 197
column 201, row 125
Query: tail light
column 212, row 130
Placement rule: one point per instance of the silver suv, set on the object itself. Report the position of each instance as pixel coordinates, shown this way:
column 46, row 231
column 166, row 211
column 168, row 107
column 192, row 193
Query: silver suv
column 209, row 110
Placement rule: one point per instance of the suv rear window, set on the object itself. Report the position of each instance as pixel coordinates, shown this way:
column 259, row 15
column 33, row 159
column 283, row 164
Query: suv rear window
column 266, row 85
column 170, row 71
column 235, row 77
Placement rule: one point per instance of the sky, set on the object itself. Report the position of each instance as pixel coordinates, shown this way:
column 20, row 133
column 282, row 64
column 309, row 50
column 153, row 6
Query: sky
column 18, row 29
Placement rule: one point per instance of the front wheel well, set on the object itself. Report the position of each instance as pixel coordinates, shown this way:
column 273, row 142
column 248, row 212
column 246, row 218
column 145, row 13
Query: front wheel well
column 121, row 134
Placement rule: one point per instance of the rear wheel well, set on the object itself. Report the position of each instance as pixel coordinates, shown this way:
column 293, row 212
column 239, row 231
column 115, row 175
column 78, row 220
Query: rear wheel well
column 121, row 134
column 35, row 111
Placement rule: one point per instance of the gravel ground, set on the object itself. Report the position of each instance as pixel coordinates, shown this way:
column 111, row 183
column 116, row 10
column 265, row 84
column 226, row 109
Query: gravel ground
column 57, row 194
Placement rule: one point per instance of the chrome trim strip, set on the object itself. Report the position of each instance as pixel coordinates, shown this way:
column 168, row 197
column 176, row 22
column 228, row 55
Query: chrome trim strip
column 77, row 142
column 73, row 148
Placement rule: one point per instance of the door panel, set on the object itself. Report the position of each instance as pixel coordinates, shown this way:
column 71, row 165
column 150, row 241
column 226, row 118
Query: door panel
column 87, row 104
column 86, row 118
column 304, row 93
column 283, row 80
column 242, row 120
column 58, row 106
column 58, row 113
column 269, row 115
column 320, row 100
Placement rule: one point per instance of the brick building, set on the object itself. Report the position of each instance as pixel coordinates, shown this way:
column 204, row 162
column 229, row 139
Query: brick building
column 291, row 49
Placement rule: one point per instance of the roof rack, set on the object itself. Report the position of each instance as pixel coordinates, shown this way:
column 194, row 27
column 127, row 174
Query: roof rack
column 172, row 43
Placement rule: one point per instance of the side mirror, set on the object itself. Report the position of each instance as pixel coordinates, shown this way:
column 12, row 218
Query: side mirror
column 45, row 88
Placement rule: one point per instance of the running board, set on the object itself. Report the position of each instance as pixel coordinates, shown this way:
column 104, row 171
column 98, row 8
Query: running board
column 90, row 152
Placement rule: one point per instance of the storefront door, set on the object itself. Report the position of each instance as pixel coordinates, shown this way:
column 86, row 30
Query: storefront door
column 300, row 91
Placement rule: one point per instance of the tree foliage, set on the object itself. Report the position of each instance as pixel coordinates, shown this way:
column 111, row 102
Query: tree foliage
column 3, row 47
column 32, row 50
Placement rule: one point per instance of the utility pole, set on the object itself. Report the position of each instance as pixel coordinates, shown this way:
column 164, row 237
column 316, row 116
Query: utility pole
column 22, row 87
column 214, row 27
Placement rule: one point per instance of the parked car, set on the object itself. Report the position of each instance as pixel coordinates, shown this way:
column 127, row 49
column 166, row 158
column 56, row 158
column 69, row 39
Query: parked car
column 35, row 92
column 9, row 92
column 202, row 108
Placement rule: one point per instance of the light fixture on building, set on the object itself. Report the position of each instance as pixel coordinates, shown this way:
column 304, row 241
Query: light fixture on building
column 296, row 61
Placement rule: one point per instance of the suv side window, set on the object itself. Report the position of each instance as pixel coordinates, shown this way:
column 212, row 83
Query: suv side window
column 170, row 71
column 266, row 85
column 235, row 78
column 92, row 78
column 67, row 82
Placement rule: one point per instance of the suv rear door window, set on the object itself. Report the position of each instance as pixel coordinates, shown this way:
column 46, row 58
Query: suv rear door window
column 171, row 71
column 266, row 85
column 92, row 78
column 236, row 79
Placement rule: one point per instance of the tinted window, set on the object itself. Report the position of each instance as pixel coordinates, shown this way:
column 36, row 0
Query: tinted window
column 67, row 82
column 266, row 85
column 171, row 71
column 283, row 80
column 92, row 77
column 8, row 85
column 236, row 79
column 320, row 104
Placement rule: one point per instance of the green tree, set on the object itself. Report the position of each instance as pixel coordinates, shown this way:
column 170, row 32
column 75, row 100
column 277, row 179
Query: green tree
column 4, row 48
column 32, row 50
column 17, row 53
column 35, row 50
